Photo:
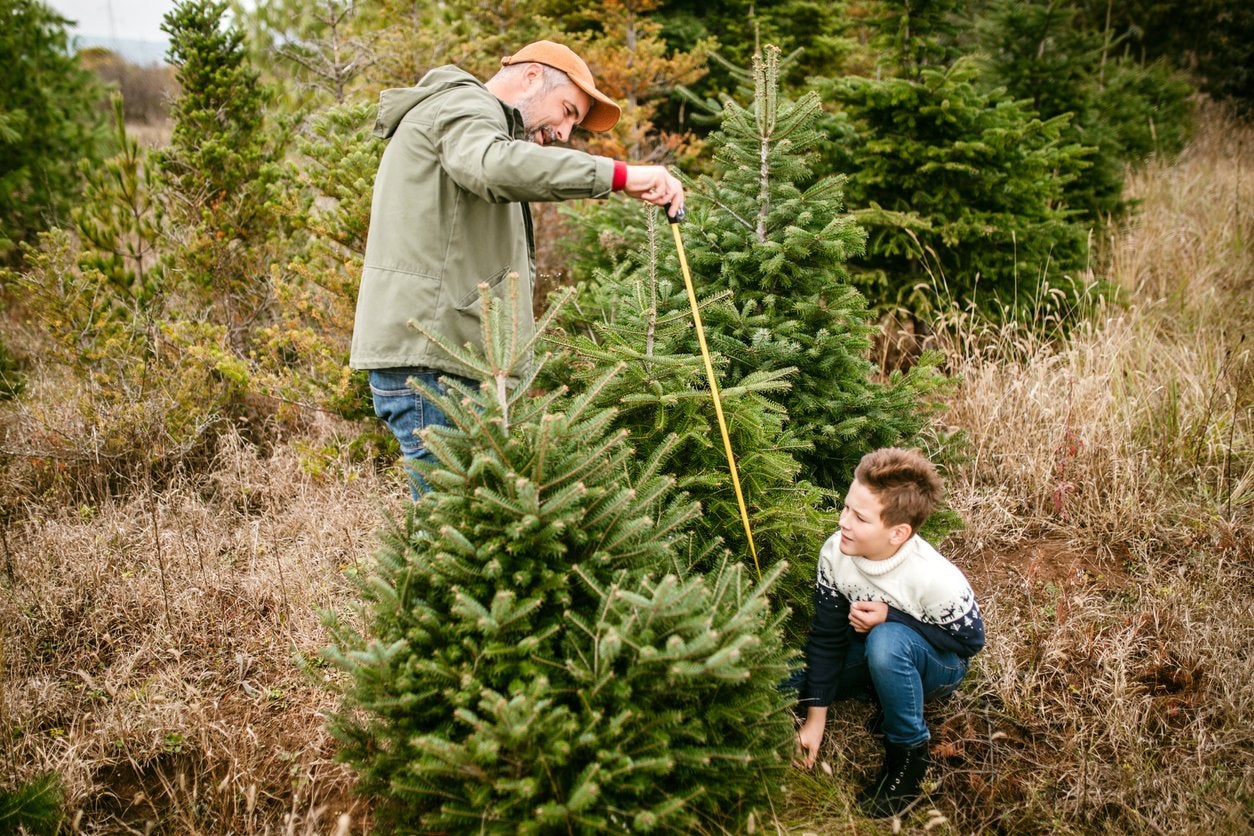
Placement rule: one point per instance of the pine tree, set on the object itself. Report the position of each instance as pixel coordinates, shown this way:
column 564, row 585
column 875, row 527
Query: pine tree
column 961, row 189
column 220, row 170
column 538, row 657
column 120, row 221
column 49, row 121
column 765, row 229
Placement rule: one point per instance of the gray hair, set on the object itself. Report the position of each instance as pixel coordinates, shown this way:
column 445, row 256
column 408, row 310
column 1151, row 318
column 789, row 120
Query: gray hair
column 553, row 77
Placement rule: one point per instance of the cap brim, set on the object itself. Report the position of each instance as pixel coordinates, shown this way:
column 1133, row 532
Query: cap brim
column 603, row 115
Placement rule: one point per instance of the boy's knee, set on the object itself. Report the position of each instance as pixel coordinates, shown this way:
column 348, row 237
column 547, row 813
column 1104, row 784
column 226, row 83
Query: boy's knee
column 889, row 644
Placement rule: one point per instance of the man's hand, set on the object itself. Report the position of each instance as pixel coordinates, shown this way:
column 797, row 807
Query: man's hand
column 863, row 615
column 655, row 184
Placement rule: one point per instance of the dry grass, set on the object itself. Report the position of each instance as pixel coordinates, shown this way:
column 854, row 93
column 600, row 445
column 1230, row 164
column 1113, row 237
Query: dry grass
column 151, row 647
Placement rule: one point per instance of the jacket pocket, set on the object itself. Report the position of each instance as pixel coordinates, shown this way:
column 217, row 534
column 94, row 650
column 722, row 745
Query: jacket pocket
column 472, row 302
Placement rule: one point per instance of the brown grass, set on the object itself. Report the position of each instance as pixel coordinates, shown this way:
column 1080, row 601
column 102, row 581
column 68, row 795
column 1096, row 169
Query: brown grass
column 160, row 653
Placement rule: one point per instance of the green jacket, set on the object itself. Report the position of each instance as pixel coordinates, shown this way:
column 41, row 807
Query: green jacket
column 449, row 212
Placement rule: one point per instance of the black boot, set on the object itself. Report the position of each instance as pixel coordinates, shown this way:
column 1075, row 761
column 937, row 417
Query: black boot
column 897, row 785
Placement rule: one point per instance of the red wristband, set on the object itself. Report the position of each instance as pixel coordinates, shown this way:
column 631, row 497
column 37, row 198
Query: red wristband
column 620, row 176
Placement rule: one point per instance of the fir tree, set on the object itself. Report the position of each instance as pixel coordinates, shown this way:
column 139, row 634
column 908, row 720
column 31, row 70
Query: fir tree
column 538, row 658
column 662, row 399
column 1045, row 53
column 220, row 170
column 49, row 121
column 776, row 237
column 961, row 189
column 35, row 807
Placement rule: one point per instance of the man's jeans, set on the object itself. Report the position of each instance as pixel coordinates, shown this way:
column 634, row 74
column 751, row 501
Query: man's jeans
column 904, row 671
column 407, row 411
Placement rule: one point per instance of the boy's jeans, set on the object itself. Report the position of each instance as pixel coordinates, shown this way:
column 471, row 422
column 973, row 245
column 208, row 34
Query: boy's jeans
column 406, row 411
column 905, row 671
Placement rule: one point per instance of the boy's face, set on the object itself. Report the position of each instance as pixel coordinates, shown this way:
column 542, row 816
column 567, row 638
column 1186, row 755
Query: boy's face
column 862, row 531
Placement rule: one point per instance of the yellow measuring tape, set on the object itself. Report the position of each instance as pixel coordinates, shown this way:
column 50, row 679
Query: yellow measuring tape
column 709, row 373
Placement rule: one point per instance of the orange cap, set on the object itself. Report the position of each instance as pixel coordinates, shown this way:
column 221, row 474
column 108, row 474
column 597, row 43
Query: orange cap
column 604, row 112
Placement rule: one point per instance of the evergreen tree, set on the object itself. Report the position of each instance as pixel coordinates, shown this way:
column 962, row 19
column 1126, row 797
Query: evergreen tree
column 808, row 31
column 119, row 221
column 915, row 35
column 49, row 121
column 661, row 395
column 35, row 807
column 1212, row 40
column 220, row 169
column 961, row 189
column 1044, row 52
column 539, row 658
column 777, row 238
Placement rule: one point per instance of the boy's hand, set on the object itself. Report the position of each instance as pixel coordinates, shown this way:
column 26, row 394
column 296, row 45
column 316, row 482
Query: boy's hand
column 863, row 615
column 810, row 736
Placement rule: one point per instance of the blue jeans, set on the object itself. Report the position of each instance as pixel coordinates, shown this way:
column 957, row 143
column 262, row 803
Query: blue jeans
column 903, row 670
column 406, row 411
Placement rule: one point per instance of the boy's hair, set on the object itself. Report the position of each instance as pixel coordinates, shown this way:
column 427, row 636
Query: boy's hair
column 905, row 482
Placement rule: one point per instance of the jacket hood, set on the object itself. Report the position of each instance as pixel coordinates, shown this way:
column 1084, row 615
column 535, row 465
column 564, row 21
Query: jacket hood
column 395, row 103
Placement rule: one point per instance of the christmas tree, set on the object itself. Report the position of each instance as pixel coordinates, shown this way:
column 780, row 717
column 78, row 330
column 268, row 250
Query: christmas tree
column 775, row 236
column 536, row 655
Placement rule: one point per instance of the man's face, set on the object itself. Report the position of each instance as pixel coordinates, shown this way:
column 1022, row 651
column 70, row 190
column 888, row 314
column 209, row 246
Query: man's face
column 551, row 113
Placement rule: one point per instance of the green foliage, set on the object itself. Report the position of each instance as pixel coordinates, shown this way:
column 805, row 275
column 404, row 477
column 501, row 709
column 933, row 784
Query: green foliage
column 775, row 236
column 221, row 170
column 33, row 808
column 1212, row 40
column 914, row 35
column 303, row 355
column 12, row 380
column 539, row 659
column 317, row 52
column 48, row 122
column 1044, row 52
column 958, row 186
column 120, row 220
column 663, row 400
column 810, row 32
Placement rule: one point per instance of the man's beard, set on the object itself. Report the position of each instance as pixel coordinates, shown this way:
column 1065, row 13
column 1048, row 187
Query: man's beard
column 547, row 136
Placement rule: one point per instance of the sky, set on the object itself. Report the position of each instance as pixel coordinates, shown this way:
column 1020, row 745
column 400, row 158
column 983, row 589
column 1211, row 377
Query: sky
column 105, row 20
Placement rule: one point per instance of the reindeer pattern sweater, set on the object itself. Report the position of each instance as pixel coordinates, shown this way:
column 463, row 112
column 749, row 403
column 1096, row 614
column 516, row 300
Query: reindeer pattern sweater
column 923, row 590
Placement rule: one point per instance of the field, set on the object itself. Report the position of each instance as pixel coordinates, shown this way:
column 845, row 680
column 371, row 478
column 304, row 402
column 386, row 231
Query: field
column 161, row 654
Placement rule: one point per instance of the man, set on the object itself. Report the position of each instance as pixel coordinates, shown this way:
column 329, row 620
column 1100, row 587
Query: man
column 450, row 212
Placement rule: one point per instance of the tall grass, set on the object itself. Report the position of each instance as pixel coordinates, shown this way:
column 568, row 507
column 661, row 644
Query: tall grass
column 160, row 652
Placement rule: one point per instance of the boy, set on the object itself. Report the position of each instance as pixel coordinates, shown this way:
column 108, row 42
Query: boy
column 892, row 617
